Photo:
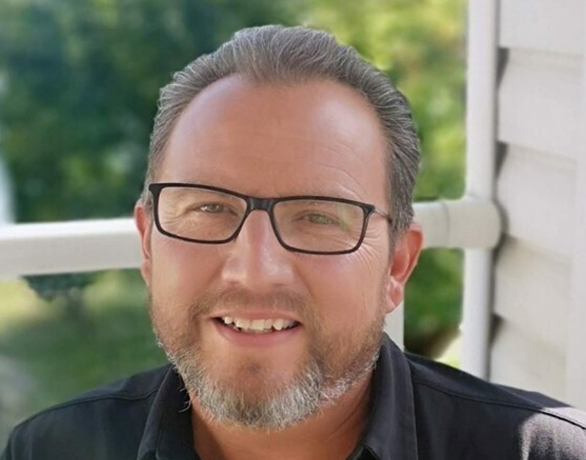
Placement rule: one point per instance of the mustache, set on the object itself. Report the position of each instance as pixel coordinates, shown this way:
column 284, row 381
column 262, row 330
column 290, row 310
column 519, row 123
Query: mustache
column 240, row 300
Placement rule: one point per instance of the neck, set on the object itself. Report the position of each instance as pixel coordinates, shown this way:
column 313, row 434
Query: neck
column 332, row 434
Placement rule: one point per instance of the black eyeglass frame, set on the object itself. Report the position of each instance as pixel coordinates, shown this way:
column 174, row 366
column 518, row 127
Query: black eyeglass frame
column 262, row 204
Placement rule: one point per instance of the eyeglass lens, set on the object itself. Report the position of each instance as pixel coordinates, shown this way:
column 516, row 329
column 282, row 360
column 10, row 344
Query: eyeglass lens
column 319, row 225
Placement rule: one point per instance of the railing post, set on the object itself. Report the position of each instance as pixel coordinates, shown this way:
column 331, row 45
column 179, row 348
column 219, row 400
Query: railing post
column 480, row 178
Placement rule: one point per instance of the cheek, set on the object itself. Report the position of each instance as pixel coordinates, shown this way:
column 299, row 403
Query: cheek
column 346, row 290
column 180, row 270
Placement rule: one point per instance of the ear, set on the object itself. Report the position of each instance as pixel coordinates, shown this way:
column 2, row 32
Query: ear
column 143, row 224
column 404, row 258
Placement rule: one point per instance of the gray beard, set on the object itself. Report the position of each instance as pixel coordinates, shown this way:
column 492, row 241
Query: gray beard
column 332, row 368
column 306, row 396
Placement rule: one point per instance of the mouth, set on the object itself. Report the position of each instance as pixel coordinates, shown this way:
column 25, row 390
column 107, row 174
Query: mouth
column 257, row 326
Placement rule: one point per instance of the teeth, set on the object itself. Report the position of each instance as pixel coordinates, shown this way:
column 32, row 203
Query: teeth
column 242, row 323
column 258, row 326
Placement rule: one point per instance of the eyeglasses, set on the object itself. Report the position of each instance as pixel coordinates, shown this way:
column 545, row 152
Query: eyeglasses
column 306, row 224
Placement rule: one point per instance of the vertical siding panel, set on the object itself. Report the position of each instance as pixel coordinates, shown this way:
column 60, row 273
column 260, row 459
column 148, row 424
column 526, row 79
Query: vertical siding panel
column 538, row 107
column 541, row 307
column 540, row 268
column 576, row 377
column 537, row 191
column 521, row 360
column 549, row 25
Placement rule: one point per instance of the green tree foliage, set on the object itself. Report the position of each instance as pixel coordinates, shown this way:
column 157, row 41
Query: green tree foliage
column 81, row 79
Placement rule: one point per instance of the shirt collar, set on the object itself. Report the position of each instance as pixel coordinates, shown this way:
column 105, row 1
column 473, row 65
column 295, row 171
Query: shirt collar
column 390, row 432
column 167, row 433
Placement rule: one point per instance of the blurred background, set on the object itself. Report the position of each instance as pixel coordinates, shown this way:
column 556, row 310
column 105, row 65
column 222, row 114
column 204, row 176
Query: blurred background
column 79, row 80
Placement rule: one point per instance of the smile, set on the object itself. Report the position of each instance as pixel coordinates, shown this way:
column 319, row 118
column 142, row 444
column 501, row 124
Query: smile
column 257, row 326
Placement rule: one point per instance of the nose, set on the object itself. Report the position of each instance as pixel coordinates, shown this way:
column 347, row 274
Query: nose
column 256, row 260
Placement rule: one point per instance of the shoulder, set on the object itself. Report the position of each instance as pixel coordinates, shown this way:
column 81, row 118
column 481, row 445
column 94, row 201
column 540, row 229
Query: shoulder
column 112, row 415
column 498, row 419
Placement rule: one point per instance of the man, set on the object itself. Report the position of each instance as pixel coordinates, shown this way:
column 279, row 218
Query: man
column 277, row 234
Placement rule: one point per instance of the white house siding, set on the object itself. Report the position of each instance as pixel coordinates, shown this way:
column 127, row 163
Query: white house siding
column 540, row 119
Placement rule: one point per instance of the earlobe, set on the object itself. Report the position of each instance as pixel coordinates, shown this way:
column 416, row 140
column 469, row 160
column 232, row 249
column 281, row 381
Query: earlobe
column 395, row 295
column 143, row 224
column 405, row 255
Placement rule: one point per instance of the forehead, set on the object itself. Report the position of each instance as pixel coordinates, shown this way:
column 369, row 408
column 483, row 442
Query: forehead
column 318, row 137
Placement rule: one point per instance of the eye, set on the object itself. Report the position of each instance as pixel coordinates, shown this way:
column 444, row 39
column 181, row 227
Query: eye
column 319, row 219
column 212, row 208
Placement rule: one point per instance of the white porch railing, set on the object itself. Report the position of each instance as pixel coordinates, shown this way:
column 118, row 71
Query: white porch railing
column 92, row 245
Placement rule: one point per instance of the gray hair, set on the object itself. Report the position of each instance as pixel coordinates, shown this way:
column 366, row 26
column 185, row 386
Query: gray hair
column 288, row 55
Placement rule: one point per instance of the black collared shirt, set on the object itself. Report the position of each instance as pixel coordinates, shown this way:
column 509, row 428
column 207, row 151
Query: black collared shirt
column 420, row 410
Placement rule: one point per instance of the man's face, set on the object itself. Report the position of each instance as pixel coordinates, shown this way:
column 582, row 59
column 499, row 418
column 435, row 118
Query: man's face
column 316, row 138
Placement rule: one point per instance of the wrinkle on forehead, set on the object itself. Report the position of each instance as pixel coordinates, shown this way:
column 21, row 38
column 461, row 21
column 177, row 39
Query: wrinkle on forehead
column 344, row 186
column 362, row 193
